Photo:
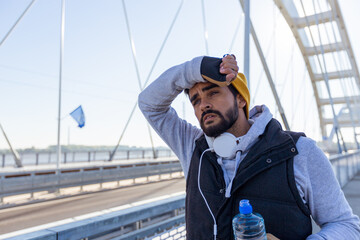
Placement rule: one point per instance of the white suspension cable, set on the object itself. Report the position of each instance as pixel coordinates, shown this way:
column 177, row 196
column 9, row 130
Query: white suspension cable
column 354, row 95
column 16, row 23
column 254, row 94
column 206, row 34
column 133, row 50
column 339, row 69
column 144, row 85
column 288, row 69
column 132, row 43
column 235, row 34
column 163, row 44
column 324, row 73
column 302, row 90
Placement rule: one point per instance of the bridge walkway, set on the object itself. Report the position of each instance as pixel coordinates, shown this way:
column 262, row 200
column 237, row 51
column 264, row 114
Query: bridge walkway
column 352, row 193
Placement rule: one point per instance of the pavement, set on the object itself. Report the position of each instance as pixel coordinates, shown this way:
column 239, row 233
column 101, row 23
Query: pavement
column 352, row 193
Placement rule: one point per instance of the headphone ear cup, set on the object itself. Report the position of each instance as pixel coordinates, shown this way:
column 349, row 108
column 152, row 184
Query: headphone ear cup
column 225, row 145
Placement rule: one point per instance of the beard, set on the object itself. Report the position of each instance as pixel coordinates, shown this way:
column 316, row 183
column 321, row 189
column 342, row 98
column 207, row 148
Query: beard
column 224, row 124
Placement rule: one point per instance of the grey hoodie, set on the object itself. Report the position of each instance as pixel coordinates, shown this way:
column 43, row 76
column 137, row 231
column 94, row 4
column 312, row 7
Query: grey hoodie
column 314, row 176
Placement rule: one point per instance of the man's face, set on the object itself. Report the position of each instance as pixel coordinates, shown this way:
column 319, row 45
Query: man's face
column 215, row 107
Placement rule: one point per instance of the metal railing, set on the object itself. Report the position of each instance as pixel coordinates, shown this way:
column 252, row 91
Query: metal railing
column 345, row 166
column 38, row 158
column 52, row 180
column 134, row 223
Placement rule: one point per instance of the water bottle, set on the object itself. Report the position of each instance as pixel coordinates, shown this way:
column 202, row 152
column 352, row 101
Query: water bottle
column 248, row 225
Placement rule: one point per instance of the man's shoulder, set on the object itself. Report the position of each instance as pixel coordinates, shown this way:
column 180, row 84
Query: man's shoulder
column 309, row 151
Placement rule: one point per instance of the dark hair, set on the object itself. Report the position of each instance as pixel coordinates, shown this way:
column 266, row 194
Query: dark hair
column 233, row 90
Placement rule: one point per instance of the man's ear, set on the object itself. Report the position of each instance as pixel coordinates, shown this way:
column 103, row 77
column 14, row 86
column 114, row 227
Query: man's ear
column 240, row 101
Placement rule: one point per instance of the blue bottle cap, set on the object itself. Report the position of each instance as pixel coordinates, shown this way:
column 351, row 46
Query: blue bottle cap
column 245, row 207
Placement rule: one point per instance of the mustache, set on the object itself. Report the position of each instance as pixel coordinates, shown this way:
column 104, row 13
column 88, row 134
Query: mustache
column 209, row 111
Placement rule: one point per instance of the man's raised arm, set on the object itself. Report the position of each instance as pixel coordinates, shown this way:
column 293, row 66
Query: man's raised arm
column 155, row 103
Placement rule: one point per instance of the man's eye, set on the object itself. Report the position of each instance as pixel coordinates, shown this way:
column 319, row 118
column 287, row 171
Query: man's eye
column 195, row 102
column 213, row 93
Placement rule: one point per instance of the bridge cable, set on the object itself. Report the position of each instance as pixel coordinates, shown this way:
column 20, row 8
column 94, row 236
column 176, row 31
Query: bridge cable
column 206, row 34
column 16, row 156
column 253, row 97
column 325, row 75
column 133, row 51
column 355, row 96
column 16, row 22
column 148, row 77
column 235, row 35
column 339, row 69
column 289, row 67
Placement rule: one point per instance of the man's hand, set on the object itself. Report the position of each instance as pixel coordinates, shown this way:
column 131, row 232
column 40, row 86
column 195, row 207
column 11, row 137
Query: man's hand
column 271, row 237
column 220, row 71
column 229, row 67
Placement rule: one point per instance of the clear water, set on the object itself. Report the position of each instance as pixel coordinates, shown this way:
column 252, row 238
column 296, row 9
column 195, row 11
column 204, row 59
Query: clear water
column 249, row 226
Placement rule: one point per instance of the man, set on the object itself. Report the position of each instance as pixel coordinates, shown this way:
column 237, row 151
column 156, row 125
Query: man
column 240, row 154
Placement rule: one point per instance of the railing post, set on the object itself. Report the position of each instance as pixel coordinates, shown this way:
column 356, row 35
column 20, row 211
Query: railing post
column 89, row 156
column 353, row 169
column 347, row 170
column 32, row 185
column 65, row 154
column 128, row 154
column 37, row 159
column 338, row 171
column 118, row 175
column 110, row 154
column 355, row 165
column 82, row 180
column 102, row 177
column 1, row 188
column 143, row 154
column 3, row 160
column 137, row 225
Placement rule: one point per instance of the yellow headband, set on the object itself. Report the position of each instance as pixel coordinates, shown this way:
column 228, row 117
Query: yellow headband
column 240, row 84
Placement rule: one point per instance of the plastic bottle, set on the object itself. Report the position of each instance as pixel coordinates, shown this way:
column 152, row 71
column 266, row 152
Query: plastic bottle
column 248, row 225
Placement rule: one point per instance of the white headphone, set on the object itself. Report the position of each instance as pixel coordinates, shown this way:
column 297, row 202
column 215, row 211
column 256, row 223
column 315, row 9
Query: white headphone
column 223, row 145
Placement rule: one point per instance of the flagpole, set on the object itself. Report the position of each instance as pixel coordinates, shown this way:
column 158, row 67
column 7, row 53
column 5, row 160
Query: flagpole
column 58, row 158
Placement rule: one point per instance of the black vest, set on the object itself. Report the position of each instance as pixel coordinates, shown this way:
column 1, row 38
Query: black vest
column 265, row 177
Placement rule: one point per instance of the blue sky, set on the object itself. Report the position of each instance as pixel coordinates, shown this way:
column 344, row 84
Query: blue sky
column 99, row 71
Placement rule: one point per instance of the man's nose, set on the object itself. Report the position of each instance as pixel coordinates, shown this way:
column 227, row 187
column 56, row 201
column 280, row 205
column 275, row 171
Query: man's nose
column 205, row 105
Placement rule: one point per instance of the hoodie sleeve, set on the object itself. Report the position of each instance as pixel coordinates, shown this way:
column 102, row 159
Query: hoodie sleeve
column 155, row 103
column 322, row 193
